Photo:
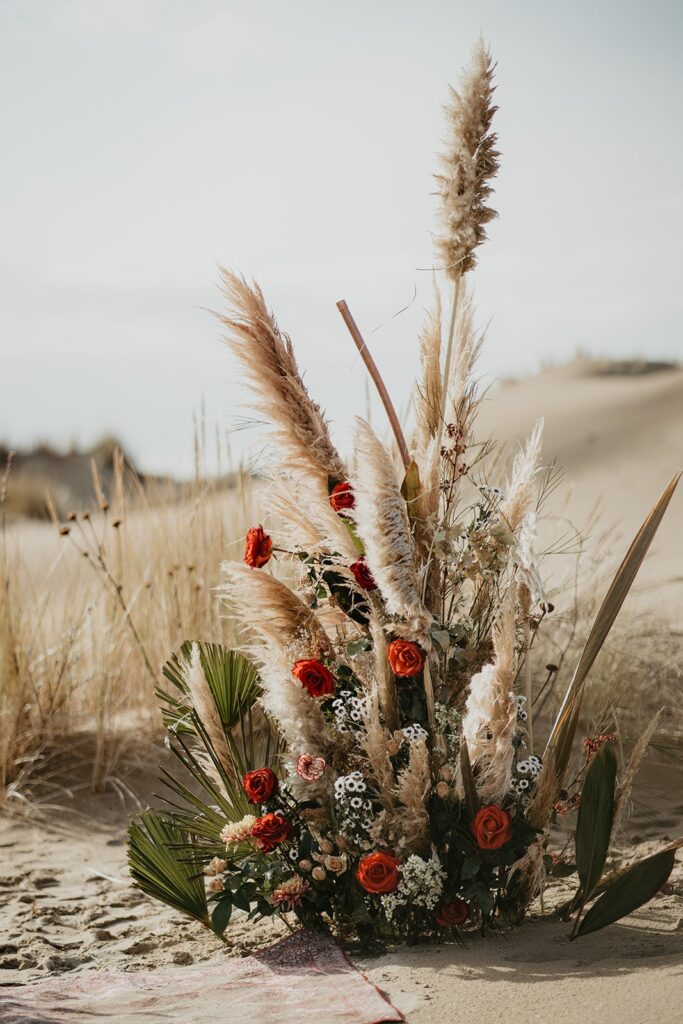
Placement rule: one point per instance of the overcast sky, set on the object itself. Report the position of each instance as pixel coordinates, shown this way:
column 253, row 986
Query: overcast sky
column 145, row 141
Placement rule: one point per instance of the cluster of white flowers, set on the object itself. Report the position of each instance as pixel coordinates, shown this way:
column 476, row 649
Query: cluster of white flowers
column 353, row 804
column 526, row 772
column 421, row 885
column 522, row 713
column 348, row 710
column 447, row 719
column 415, row 732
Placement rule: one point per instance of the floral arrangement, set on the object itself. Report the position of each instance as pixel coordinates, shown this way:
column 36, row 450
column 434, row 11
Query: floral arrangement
column 368, row 761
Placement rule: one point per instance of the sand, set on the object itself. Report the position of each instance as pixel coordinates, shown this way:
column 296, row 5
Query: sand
column 67, row 905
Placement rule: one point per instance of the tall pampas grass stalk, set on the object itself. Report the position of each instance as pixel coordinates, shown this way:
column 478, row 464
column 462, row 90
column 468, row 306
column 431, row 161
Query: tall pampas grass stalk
column 491, row 713
column 205, row 707
column 383, row 526
column 469, row 163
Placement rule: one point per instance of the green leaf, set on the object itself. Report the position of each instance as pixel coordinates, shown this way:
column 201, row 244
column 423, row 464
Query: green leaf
column 220, row 919
column 631, row 890
column 470, row 867
column 411, row 489
column 232, row 679
column 160, row 866
column 241, row 901
column 594, row 825
column 471, row 798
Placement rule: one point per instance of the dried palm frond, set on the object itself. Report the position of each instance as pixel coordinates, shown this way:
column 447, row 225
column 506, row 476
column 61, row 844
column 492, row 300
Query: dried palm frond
column 384, row 528
column 469, row 164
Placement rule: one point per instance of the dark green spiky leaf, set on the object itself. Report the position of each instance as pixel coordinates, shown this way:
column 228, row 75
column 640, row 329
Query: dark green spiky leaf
column 220, row 918
column 158, row 867
column 471, row 797
column 631, row 890
column 596, row 812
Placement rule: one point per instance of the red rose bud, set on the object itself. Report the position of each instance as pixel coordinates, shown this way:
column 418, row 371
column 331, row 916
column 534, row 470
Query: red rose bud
column 260, row 785
column 452, row 914
column 379, row 872
column 258, row 547
column 271, row 830
column 364, row 577
column 341, row 497
column 492, row 827
column 314, row 677
column 406, row 658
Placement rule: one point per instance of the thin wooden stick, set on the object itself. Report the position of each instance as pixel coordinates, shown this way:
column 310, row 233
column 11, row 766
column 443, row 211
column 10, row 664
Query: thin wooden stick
column 379, row 383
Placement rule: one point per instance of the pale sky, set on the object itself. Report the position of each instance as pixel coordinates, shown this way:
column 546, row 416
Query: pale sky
column 145, row 141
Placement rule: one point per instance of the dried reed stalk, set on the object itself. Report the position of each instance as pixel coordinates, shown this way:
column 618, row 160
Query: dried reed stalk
column 384, row 528
column 414, row 784
column 273, row 612
column 205, row 707
column 491, row 712
column 637, row 755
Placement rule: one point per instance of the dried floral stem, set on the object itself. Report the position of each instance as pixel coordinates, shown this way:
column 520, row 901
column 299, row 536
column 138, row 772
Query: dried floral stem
column 449, row 354
column 371, row 365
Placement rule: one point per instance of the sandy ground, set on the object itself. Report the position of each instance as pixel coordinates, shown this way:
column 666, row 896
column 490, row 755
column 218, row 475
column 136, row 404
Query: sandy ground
column 67, row 905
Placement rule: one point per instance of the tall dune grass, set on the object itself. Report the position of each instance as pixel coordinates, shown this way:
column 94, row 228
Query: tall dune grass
column 90, row 607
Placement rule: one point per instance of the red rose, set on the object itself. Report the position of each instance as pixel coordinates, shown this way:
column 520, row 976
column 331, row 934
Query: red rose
column 258, row 547
column 452, row 914
column 271, row 830
column 379, row 872
column 364, row 577
column 314, row 677
column 405, row 658
column 341, row 497
column 260, row 785
column 492, row 827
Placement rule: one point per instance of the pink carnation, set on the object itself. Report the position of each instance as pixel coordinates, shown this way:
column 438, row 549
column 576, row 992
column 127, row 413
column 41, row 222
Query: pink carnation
column 309, row 767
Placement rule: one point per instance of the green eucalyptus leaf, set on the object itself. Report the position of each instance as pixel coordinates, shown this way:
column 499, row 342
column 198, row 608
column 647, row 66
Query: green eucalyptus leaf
column 220, row 918
column 631, row 890
column 594, row 824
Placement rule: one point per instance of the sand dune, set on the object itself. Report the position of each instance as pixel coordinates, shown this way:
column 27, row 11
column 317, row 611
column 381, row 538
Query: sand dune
column 619, row 439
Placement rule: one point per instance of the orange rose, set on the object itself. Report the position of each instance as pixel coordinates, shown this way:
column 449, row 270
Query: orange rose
column 271, row 830
column 260, row 785
column 492, row 827
column 452, row 914
column 405, row 658
column 258, row 547
column 379, row 872
column 314, row 677
column 341, row 497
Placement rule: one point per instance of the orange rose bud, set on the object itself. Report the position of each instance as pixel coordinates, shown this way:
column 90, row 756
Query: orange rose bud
column 378, row 872
column 341, row 497
column 260, row 785
column 364, row 577
column 492, row 827
column 258, row 547
column 452, row 914
column 271, row 830
column 314, row 677
column 405, row 658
